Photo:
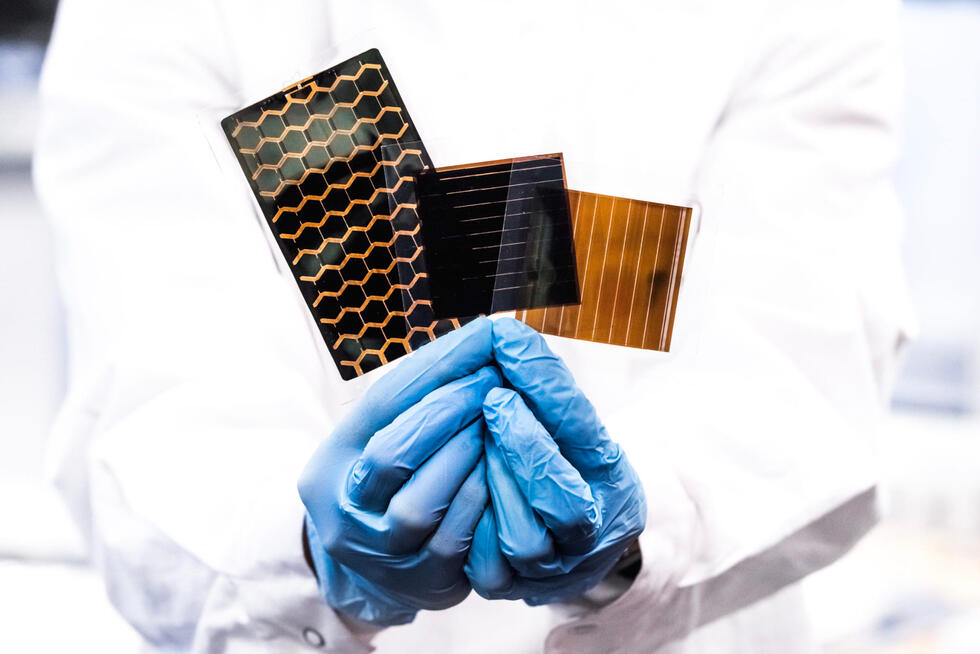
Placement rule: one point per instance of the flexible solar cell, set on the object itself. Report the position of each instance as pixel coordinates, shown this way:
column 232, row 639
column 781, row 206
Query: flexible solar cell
column 331, row 161
column 498, row 236
column 631, row 257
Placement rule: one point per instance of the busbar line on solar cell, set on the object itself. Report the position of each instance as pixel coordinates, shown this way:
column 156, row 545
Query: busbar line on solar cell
column 630, row 274
column 331, row 161
column 469, row 175
column 646, row 320
column 639, row 253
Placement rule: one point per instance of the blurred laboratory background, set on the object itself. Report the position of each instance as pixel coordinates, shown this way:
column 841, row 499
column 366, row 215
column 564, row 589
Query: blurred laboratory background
column 49, row 600
column 912, row 586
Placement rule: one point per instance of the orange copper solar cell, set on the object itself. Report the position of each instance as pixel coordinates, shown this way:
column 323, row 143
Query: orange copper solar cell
column 630, row 256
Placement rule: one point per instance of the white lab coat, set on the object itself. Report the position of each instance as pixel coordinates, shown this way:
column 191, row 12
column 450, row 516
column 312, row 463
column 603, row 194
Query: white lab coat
column 198, row 389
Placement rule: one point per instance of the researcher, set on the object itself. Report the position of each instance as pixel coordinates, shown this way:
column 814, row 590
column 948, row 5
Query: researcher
column 498, row 490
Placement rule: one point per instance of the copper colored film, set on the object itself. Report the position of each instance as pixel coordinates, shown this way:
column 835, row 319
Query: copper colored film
column 331, row 161
column 630, row 256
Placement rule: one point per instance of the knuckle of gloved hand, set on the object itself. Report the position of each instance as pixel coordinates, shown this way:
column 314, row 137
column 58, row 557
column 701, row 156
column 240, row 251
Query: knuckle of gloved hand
column 334, row 542
column 310, row 485
column 447, row 550
column 612, row 453
column 374, row 470
column 492, row 584
column 491, row 592
column 531, row 554
column 578, row 533
column 444, row 598
column 496, row 398
column 406, row 519
column 490, row 376
column 611, row 467
column 347, row 511
column 459, row 593
column 441, row 552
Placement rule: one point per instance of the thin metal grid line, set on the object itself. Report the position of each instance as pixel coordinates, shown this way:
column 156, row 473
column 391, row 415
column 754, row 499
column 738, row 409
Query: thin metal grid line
column 653, row 277
column 588, row 258
column 619, row 275
column 636, row 278
column 673, row 276
column 602, row 269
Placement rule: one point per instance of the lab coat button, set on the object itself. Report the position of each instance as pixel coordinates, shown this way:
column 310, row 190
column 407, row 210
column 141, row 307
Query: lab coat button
column 313, row 637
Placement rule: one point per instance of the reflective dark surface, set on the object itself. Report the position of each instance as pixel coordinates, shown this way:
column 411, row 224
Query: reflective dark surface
column 498, row 236
column 332, row 161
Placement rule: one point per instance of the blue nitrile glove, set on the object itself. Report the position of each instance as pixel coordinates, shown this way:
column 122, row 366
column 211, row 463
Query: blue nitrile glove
column 565, row 501
column 395, row 493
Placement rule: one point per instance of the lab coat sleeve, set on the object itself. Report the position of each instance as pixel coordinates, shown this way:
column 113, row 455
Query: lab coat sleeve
column 193, row 402
column 755, row 438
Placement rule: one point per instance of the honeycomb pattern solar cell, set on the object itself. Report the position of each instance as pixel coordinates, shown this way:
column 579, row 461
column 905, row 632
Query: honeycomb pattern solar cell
column 331, row 161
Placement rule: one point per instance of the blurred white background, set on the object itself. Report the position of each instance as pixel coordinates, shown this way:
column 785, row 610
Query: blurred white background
column 912, row 586
column 49, row 600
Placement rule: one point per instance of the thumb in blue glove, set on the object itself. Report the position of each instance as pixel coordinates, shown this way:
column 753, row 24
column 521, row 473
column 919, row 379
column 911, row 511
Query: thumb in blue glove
column 394, row 495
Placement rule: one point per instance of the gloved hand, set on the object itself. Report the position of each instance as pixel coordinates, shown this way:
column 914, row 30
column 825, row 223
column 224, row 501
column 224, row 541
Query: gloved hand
column 565, row 501
column 394, row 495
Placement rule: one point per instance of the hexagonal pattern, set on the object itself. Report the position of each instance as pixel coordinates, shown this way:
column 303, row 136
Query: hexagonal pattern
column 331, row 160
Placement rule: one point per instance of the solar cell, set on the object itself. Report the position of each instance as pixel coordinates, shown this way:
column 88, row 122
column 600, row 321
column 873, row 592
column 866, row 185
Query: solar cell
column 331, row 161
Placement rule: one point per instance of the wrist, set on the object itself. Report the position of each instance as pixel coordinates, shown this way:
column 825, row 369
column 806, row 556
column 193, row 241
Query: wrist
column 307, row 552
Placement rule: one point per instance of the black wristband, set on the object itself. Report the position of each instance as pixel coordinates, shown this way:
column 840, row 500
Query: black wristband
column 630, row 562
column 307, row 552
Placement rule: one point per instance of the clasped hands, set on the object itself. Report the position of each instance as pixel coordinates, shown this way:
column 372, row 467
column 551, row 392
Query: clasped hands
column 476, row 463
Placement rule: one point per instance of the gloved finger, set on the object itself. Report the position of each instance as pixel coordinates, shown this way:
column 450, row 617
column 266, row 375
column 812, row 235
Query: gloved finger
column 549, row 389
column 397, row 451
column 487, row 569
column 431, row 577
column 524, row 539
column 549, row 483
column 449, row 357
column 445, row 554
column 416, row 510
